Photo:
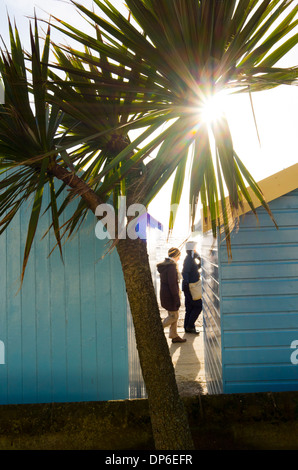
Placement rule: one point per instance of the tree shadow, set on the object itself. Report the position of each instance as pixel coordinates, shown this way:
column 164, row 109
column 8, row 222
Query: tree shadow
column 187, row 366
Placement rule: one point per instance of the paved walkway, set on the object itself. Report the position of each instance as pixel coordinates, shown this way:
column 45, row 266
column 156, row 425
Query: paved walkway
column 188, row 360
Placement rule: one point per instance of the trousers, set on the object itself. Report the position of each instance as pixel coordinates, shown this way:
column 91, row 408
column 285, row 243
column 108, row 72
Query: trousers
column 193, row 309
column 172, row 321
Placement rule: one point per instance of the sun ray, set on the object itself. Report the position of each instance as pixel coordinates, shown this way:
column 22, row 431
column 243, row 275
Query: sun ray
column 214, row 107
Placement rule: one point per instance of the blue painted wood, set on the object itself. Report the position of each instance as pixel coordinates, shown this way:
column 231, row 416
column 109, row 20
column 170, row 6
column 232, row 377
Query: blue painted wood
column 265, row 270
column 254, row 287
column 259, row 301
column 263, row 320
column 259, row 355
column 13, row 316
column 257, row 306
column 104, row 329
column 119, row 344
column 3, row 318
column 259, row 386
column 262, row 372
column 261, row 252
column 251, row 236
column 260, row 338
column 65, row 332
column 28, row 324
column 270, row 304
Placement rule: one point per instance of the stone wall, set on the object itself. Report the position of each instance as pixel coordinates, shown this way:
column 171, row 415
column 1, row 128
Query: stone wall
column 248, row 421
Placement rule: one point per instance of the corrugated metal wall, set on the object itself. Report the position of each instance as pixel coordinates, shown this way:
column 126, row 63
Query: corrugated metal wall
column 212, row 320
column 259, row 301
column 64, row 335
column 154, row 237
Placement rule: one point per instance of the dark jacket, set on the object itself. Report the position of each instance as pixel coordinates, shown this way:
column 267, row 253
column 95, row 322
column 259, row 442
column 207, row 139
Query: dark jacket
column 169, row 287
column 190, row 271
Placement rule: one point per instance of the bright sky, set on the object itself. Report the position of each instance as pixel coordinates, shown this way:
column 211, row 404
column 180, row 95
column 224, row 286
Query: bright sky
column 276, row 110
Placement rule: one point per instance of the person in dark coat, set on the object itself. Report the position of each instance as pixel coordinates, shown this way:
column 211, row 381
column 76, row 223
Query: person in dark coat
column 170, row 292
column 190, row 273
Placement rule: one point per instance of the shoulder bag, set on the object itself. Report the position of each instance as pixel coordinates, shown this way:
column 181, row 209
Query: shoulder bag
column 196, row 289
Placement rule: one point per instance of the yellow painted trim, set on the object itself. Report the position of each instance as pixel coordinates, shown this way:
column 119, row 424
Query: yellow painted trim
column 272, row 187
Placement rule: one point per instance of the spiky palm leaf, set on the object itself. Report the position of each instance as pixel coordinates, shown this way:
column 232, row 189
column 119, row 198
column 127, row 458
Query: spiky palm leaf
column 28, row 131
column 98, row 121
column 35, row 136
column 177, row 54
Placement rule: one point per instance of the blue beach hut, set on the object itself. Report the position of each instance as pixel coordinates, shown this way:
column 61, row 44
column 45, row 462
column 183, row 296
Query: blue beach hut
column 250, row 303
column 64, row 333
column 67, row 335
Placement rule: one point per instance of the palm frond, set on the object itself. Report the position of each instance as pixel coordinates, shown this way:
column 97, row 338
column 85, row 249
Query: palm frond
column 160, row 70
column 28, row 131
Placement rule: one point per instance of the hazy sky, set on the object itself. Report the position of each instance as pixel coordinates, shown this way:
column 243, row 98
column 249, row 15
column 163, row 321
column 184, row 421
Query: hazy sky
column 276, row 110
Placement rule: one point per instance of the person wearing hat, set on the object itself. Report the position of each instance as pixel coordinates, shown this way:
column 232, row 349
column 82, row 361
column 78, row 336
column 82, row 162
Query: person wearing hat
column 170, row 292
column 190, row 274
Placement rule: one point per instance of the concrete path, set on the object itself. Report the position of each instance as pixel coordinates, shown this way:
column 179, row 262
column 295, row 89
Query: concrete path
column 188, row 360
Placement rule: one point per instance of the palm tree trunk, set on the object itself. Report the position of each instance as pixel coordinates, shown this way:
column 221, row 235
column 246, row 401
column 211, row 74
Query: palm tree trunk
column 168, row 417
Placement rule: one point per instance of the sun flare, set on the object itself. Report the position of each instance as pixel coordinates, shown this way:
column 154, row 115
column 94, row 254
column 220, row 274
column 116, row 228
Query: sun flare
column 214, row 107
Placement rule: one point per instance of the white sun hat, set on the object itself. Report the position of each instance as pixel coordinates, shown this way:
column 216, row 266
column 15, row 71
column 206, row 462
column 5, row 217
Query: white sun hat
column 190, row 246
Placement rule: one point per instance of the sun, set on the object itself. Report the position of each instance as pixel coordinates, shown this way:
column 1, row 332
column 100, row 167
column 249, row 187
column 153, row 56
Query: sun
column 214, row 107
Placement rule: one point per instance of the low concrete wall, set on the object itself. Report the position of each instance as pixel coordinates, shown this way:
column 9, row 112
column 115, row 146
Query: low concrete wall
column 260, row 421
column 251, row 421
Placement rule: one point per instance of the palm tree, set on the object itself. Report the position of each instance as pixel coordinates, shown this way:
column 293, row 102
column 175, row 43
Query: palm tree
column 162, row 64
column 160, row 69
column 34, row 141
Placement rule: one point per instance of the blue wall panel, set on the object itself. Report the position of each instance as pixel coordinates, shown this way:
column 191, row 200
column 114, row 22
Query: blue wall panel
column 251, row 324
column 259, row 301
column 65, row 332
